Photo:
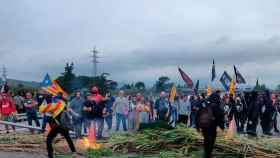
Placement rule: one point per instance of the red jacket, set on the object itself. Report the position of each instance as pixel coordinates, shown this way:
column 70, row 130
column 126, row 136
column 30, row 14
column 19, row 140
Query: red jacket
column 7, row 107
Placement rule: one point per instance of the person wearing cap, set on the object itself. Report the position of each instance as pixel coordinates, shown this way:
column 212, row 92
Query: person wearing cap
column 98, row 111
column 56, row 108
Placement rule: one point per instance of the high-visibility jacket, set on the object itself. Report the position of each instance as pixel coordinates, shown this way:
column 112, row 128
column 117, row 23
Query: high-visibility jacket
column 53, row 108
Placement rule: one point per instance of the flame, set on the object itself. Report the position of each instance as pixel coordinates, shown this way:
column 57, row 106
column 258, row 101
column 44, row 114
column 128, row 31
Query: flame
column 89, row 145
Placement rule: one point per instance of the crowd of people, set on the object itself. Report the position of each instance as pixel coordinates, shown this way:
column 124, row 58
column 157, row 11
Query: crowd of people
column 132, row 112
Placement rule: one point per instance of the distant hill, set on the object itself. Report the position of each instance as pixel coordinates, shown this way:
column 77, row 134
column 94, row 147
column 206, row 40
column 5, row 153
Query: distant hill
column 31, row 84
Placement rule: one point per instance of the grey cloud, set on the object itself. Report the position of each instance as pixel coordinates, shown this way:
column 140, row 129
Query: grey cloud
column 139, row 37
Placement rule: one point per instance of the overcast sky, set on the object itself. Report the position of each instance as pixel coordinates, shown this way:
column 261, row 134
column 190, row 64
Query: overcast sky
column 141, row 39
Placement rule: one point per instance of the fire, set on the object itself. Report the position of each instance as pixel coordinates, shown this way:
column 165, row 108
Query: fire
column 90, row 145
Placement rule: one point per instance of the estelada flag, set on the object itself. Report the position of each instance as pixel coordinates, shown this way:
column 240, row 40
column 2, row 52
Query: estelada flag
column 238, row 77
column 225, row 80
column 52, row 87
column 173, row 93
column 186, row 78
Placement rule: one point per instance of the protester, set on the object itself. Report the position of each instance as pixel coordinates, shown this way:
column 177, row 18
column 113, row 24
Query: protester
column 174, row 111
column 245, row 97
column 162, row 107
column 76, row 109
column 31, row 110
column 139, row 107
column 143, row 113
column 121, row 109
column 184, row 110
column 238, row 114
column 109, row 101
column 56, row 109
column 208, row 119
column 267, row 112
column 19, row 102
column 276, row 105
column 254, row 109
column 132, row 114
column 98, row 110
column 7, row 110
column 194, row 109
column 88, row 112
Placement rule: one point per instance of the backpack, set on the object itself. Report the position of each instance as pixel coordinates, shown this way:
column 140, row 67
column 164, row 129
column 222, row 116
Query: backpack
column 206, row 117
column 66, row 121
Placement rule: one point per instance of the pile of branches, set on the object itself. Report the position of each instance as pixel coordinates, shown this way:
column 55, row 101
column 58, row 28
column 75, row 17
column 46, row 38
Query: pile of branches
column 187, row 142
column 21, row 142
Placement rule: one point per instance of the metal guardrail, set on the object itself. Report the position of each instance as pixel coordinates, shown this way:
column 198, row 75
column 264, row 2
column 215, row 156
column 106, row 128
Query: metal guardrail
column 23, row 116
column 20, row 125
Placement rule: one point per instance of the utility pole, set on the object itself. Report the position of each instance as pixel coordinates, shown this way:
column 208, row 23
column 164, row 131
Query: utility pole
column 94, row 61
column 4, row 74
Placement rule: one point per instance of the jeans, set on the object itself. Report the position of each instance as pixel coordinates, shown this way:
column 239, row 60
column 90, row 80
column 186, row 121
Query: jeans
column 121, row 118
column 98, row 123
column 77, row 122
column 193, row 119
column 32, row 115
column 173, row 118
column 109, row 121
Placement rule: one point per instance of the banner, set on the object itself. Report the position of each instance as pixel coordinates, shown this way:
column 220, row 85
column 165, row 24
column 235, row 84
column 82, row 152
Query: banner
column 186, row 78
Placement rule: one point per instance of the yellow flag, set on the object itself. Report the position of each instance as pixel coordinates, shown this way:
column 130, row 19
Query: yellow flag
column 173, row 93
column 209, row 90
column 232, row 87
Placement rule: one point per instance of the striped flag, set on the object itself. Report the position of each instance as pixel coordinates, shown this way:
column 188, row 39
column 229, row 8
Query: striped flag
column 238, row 77
column 186, row 78
column 52, row 87
column 225, row 80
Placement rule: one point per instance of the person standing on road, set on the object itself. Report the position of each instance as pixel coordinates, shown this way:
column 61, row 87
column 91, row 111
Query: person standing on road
column 56, row 108
column 98, row 111
column 7, row 110
column 31, row 109
column 209, row 117
column 76, row 108
column 121, row 109
column 184, row 110
column 19, row 102
column 109, row 101
column 132, row 112
column 162, row 107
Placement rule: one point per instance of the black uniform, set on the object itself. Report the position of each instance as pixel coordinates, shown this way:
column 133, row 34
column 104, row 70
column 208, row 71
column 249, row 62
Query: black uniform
column 208, row 119
column 267, row 112
column 244, row 113
column 253, row 114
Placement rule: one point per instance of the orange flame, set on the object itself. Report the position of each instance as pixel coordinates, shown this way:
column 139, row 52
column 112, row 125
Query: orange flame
column 89, row 145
